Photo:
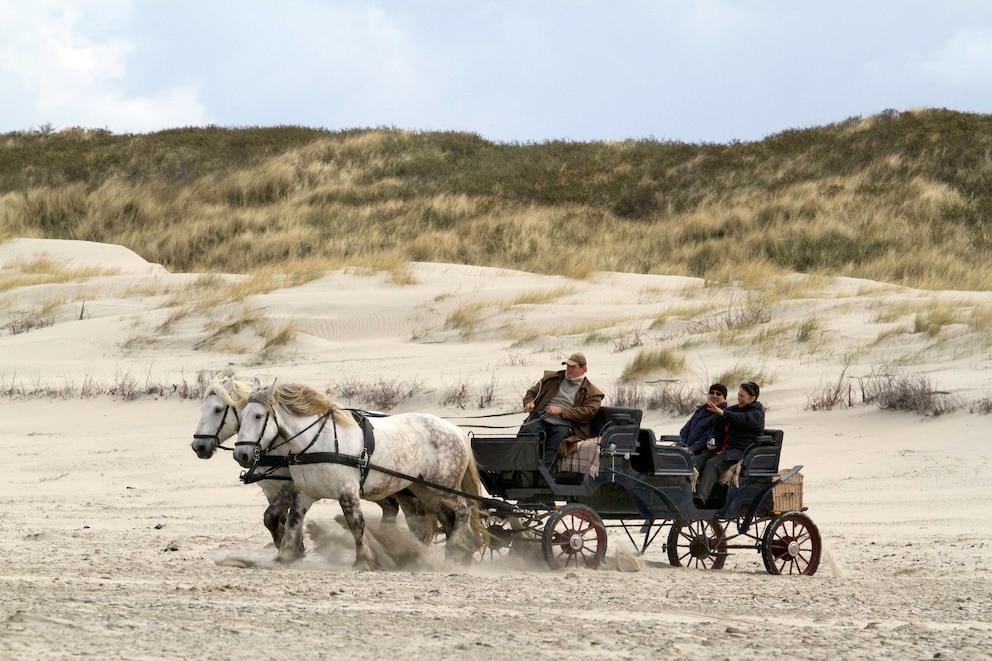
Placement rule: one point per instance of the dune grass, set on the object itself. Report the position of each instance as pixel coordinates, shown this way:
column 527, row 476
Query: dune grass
column 539, row 296
column 650, row 361
column 46, row 270
column 864, row 197
column 742, row 373
column 681, row 312
column 466, row 318
column 935, row 316
column 807, row 328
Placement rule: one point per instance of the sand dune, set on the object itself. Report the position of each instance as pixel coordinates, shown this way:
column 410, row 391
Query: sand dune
column 119, row 543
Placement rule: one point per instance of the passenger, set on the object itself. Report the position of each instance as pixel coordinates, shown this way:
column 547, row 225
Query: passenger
column 740, row 427
column 698, row 429
column 562, row 404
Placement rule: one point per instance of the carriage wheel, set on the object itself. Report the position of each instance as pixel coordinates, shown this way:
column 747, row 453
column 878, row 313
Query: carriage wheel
column 791, row 545
column 574, row 536
column 500, row 539
column 511, row 537
column 700, row 544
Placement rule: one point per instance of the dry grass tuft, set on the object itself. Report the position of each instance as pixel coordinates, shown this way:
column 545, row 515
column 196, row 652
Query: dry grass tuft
column 649, row 361
column 755, row 309
column 935, row 316
column 457, row 394
column 808, row 328
column 742, row 374
column 380, row 395
column 466, row 318
column 629, row 340
column 279, row 336
column 540, row 296
column 46, row 270
column 832, row 394
column 124, row 386
column 669, row 397
column 899, row 391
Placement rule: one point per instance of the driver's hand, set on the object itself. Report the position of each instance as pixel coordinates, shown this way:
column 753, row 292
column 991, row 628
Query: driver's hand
column 529, row 406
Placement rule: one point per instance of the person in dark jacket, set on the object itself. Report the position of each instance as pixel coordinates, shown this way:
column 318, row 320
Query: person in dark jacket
column 562, row 404
column 740, row 427
column 698, row 429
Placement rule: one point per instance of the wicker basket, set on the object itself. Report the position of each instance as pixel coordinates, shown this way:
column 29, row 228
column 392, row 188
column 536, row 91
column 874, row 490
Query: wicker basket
column 787, row 496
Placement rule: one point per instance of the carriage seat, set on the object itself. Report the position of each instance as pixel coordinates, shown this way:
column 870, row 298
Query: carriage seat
column 616, row 428
column 670, row 459
column 614, row 431
column 761, row 458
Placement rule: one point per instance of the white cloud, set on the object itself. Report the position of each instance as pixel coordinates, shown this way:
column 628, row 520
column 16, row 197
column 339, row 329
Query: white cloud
column 67, row 65
column 965, row 59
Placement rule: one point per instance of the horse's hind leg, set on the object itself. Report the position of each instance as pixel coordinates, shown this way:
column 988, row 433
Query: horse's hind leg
column 417, row 520
column 455, row 517
column 275, row 513
column 351, row 506
column 291, row 547
column 390, row 508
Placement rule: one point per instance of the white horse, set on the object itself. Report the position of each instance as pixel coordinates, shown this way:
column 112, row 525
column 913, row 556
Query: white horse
column 220, row 418
column 331, row 457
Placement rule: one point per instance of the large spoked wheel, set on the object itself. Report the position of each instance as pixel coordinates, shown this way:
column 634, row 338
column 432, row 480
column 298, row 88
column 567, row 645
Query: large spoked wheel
column 509, row 537
column 700, row 544
column 574, row 536
column 791, row 545
column 500, row 539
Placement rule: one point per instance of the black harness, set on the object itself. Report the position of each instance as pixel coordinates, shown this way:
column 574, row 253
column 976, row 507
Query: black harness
column 263, row 458
column 361, row 462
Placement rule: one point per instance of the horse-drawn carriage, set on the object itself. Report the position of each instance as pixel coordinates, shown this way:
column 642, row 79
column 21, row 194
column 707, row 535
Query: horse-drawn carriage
column 632, row 481
column 641, row 484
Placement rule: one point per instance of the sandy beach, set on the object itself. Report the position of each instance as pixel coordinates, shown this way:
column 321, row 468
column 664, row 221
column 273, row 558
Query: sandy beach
column 118, row 542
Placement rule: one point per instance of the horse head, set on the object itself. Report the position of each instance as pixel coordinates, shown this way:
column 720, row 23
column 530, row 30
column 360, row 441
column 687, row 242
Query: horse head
column 258, row 428
column 219, row 416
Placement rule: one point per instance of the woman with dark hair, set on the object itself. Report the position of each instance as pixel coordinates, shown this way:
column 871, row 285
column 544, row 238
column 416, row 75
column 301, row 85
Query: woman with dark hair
column 741, row 425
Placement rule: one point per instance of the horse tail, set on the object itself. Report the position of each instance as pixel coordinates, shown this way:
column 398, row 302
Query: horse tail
column 432, row 526
column 472, row 484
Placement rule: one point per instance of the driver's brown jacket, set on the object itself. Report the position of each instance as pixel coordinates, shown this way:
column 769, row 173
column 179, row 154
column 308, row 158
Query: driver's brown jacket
column 587, row 402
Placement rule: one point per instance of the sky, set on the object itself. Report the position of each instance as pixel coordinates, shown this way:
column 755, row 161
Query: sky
column 519, row 71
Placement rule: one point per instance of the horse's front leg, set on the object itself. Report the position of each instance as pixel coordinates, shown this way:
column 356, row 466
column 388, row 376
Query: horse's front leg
column 276, row 512
column 351, row 506
column 292, row 540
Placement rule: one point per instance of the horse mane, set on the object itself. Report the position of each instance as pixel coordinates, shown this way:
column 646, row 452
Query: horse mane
column 300, row 399
column 236, row 398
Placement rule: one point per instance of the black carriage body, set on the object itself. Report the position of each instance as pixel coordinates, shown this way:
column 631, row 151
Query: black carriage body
column 640, row 476
column 643, row 481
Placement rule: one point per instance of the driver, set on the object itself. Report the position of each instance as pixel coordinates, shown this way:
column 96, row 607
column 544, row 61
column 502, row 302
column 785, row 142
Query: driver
column 562, row 404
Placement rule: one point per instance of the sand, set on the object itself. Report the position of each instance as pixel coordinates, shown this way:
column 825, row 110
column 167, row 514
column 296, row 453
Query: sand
column 118, row 542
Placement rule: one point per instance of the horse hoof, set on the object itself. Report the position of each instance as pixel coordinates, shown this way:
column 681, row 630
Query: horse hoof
column 287, row 559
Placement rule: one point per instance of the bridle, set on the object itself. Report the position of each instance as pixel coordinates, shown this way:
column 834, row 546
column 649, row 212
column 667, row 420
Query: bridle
column 261, row 457
column 216, row 435
column 270, row 412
